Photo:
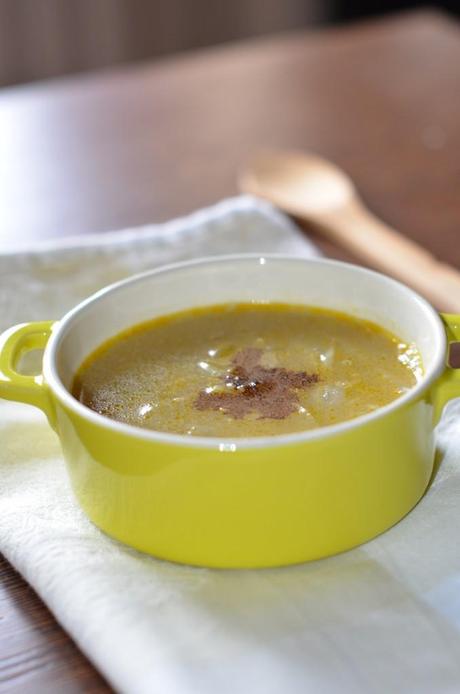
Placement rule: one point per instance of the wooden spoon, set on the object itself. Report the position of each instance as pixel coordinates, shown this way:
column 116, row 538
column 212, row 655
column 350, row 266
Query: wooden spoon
column 318, row 192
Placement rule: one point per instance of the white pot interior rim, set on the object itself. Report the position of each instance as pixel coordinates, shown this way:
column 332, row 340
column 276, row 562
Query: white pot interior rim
column 433, row 335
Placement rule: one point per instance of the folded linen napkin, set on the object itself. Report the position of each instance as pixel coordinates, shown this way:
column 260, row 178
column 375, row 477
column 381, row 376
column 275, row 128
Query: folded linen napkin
column 382, row 618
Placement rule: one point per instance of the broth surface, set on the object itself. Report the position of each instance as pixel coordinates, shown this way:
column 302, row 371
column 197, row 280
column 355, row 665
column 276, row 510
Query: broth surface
column 246, row 370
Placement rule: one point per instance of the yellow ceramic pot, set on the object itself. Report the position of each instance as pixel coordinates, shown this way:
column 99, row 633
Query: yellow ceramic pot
column 246, row 502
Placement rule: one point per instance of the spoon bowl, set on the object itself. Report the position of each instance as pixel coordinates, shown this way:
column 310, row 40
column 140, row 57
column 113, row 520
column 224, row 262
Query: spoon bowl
column 298, row 183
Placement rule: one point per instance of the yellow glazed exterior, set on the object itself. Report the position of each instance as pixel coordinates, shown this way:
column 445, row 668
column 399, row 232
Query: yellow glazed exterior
column 228, row 506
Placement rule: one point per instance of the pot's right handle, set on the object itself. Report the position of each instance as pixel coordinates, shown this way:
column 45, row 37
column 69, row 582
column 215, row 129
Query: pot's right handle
column 14, row 343
column 448, row 387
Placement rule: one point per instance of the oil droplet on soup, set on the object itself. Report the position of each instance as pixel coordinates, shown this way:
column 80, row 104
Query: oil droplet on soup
column 247, row 370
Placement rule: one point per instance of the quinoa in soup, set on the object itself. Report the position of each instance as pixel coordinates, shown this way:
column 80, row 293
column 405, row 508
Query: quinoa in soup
column 243, row 370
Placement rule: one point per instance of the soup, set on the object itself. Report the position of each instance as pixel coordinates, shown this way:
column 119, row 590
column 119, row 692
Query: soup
column 246, row 370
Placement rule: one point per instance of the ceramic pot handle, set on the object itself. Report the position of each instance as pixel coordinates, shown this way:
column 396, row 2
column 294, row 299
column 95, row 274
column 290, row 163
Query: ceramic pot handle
column 448, row 387
column 14, row 343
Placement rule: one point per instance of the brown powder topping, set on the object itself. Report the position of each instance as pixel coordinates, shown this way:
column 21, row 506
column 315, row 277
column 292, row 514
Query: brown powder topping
column 254, row 388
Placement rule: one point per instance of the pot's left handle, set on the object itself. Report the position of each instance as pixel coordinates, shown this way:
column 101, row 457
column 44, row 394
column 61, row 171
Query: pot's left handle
column 448, row 387
column 14, row 343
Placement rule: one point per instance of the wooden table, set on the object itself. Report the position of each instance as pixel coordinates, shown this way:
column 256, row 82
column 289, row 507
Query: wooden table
column 153, row 141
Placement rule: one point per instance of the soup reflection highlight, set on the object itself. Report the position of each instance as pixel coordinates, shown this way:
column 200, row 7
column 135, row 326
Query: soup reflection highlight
column 242, row 370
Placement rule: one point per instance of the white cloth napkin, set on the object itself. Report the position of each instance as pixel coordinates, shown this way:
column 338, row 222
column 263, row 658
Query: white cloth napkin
column 383, row 618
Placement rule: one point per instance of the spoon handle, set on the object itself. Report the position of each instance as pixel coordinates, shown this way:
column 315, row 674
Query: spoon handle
column 355, row 228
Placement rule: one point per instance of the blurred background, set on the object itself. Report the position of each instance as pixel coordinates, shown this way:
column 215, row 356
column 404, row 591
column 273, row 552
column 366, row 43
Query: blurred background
column 40, row 39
